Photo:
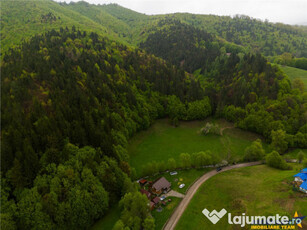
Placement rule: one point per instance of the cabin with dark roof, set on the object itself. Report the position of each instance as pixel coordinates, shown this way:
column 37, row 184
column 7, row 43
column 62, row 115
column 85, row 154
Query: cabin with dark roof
column 161, row 186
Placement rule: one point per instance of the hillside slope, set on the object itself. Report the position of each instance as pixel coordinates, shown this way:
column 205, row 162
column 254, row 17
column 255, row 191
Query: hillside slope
column 22, row 19
column 71, row 88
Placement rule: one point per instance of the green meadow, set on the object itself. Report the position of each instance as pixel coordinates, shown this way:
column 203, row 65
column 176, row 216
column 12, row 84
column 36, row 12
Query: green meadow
column 295, row 73
column 258, row 190
column 163, row 141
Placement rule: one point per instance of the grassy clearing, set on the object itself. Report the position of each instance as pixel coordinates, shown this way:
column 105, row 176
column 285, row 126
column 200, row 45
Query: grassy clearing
column 109, row 220
column 295, row 73
column 162, row 217
column 257, row 190
column 163, row 141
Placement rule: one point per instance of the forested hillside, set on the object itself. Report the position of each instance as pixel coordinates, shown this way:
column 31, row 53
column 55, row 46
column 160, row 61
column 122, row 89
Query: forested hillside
column 186, row 46
column 67, row 89
column 243, row 87
column 79, row 80
column 22, row 19
column 132, row 28
column 265, row 37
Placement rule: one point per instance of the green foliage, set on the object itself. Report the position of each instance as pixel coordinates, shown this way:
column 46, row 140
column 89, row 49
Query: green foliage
column 279, row 142
column 130, row 27
column 295, row 73
column 211, row 128
column 135, row 210
column 119, row 225
column 181, row 44
column 300, row 157
column 274, row 160
column 149, row 223
column 289, row 60
column 268, row 38
column 202, row 158
column 254, row 152
column 199, row 110
column 171, row 164
column 185, row 160
column 75, row 87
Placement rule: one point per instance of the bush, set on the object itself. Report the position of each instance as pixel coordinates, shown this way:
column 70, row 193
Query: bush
column 254, row 152
column 300, row 157
column 201, row 159
column 211, row 128
column 185, row 160
column 274, row 160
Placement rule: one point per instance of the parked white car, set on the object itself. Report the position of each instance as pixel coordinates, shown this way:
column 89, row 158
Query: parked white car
column 173, row 173
column 181, row 186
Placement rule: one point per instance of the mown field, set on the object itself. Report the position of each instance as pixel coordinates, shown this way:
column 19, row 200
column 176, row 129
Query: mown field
column 163, row 141
column 295, row 73
column 257, row 190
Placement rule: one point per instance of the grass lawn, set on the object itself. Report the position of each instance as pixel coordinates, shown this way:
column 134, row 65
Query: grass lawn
column 162, row 217
column 108, row 221
column 163, row 141
column 295, row 73
column 258, row 190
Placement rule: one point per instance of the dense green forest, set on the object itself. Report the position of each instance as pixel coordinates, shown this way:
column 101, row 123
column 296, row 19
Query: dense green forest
column 79, row 80
column 262, row 36
column 77, row 89
column 243, row 87
column 132, row 28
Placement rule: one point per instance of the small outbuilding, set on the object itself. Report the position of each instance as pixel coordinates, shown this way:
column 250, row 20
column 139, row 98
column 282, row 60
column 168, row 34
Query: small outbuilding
column 300, row 180
column 156, row 200
column 151, row 205
column 146, row 193
column 142, row 182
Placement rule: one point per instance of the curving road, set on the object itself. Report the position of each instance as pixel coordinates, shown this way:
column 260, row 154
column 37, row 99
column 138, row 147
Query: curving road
column 173, row 220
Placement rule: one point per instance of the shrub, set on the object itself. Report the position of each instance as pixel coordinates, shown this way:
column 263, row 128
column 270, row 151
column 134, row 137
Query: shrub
column 300, row 157
column 254, row 152
column 274, row 160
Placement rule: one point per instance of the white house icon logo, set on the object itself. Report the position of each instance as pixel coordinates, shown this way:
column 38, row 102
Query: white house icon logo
column 214, row 216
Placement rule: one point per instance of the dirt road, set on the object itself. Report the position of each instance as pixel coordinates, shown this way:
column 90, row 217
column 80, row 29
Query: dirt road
column 173, row 220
